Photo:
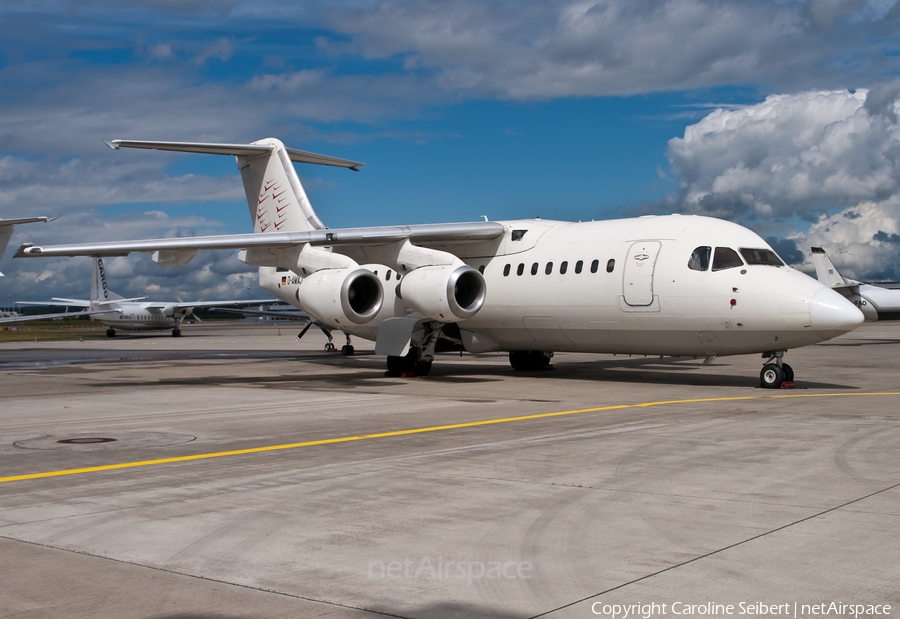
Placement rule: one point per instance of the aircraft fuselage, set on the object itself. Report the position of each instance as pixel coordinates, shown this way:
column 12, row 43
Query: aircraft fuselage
column 626, row 286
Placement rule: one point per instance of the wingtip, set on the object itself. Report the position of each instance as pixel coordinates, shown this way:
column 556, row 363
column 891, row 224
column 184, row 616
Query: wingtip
column 113, row 144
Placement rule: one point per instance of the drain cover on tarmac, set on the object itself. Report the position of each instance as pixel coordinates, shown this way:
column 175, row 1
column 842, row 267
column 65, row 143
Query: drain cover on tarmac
column 105, row 441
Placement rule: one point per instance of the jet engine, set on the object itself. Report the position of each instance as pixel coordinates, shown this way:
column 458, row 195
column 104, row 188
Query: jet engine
column 341, row 297
column 444, row 293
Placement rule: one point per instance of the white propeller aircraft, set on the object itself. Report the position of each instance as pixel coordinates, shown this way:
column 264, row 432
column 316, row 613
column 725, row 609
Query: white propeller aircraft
column 875, row 302
column 135, row 314
column 667, row 285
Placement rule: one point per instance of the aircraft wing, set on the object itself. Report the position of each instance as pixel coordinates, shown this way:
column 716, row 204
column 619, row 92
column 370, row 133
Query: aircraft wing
column 58, row 301
column 421, row 234
column 210, row 303
column 287, row 314
column 14, row 319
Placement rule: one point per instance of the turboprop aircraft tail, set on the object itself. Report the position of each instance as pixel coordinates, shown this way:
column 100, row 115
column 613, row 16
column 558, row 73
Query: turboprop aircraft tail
column 275, row 196
column 99, row 289
column 826, row 272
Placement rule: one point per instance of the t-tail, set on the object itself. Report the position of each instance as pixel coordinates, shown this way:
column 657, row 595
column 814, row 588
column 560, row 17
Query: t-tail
column 100, row 291
column 275, row 196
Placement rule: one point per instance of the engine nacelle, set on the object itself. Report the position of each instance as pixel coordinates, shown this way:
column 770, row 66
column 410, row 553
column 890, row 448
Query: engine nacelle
column 444, row 293
column 341, row 297
column 173, row 311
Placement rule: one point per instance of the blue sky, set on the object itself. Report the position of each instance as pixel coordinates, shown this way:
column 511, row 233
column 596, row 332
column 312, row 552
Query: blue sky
column 778, row 114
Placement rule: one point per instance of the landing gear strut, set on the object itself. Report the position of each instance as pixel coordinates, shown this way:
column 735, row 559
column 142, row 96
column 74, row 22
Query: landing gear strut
column 776, row 374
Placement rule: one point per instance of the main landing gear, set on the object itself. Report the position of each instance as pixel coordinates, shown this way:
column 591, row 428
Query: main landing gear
column 776, row 374
column 530, row 360
column 418, row 360
column 347, row 349
column 110, row 332
column 413, row 364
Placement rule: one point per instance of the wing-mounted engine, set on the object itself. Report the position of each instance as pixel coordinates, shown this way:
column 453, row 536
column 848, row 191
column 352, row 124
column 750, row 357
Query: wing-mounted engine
column 445, row 293
column 341, row 297
column 333, row 287
column 435, row 283
column 174, row 311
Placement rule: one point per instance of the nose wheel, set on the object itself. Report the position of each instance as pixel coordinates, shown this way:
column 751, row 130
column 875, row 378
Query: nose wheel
column 776, row 374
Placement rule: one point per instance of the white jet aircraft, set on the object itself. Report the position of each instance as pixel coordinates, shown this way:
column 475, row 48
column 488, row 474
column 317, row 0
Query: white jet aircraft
column 6, row 230
column 135, row 314
column 667, row 285
column 7, row 226
column 875, row 302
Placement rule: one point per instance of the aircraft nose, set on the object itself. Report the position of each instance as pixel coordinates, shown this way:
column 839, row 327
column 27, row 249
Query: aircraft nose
column 832, row 314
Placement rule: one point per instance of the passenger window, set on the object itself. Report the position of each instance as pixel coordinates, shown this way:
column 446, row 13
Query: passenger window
column 397, row 276
column 563, row 267
column 521, row 269
column 762, row 256
column 506, row 271
column 578, row 266
column 726, row 258
column 481, row 269
column 594, row 266
column 549, row 269
column 534, row 268
column 610, row 265
column 387, row 276
column 699, row 260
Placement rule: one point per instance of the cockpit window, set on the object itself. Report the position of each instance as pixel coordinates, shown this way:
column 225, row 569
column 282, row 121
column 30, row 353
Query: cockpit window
column 699, row 260
column 761, row 256
column 726, row 258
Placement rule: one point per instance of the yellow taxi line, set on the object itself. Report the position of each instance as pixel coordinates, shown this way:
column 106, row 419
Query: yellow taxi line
column 454, row 426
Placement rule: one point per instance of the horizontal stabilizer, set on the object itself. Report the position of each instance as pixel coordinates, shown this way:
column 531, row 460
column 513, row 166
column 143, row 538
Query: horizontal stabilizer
column 242, row 150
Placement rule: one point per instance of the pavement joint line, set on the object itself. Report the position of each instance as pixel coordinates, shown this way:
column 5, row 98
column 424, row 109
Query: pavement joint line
column 718, row 550
column 455, row 426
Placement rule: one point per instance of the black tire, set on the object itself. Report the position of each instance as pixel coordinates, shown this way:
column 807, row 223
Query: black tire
column 394, row 365
column 529, row 360
column 347, row 350
column 520, row 360
column 110, row 332
column 771, row 376
column 788, row 372
column 176, row 332
column 423, row 368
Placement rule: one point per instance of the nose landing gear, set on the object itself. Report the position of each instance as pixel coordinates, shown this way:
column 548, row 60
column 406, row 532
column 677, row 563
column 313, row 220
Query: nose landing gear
column 776, row 374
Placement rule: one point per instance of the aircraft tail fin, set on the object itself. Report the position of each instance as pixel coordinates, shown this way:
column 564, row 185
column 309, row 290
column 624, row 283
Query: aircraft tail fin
column 827, row 273
column 99, row 289
column 275, row 196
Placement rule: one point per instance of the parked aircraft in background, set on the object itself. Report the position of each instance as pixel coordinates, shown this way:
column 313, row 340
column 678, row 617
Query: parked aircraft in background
column 289, row 312
column 669, row 285
column 133, row 314
column 7, row 226
column 875, row 302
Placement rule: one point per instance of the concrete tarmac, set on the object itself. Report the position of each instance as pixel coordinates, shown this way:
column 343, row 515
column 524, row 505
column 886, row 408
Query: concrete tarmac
column 237, row 473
